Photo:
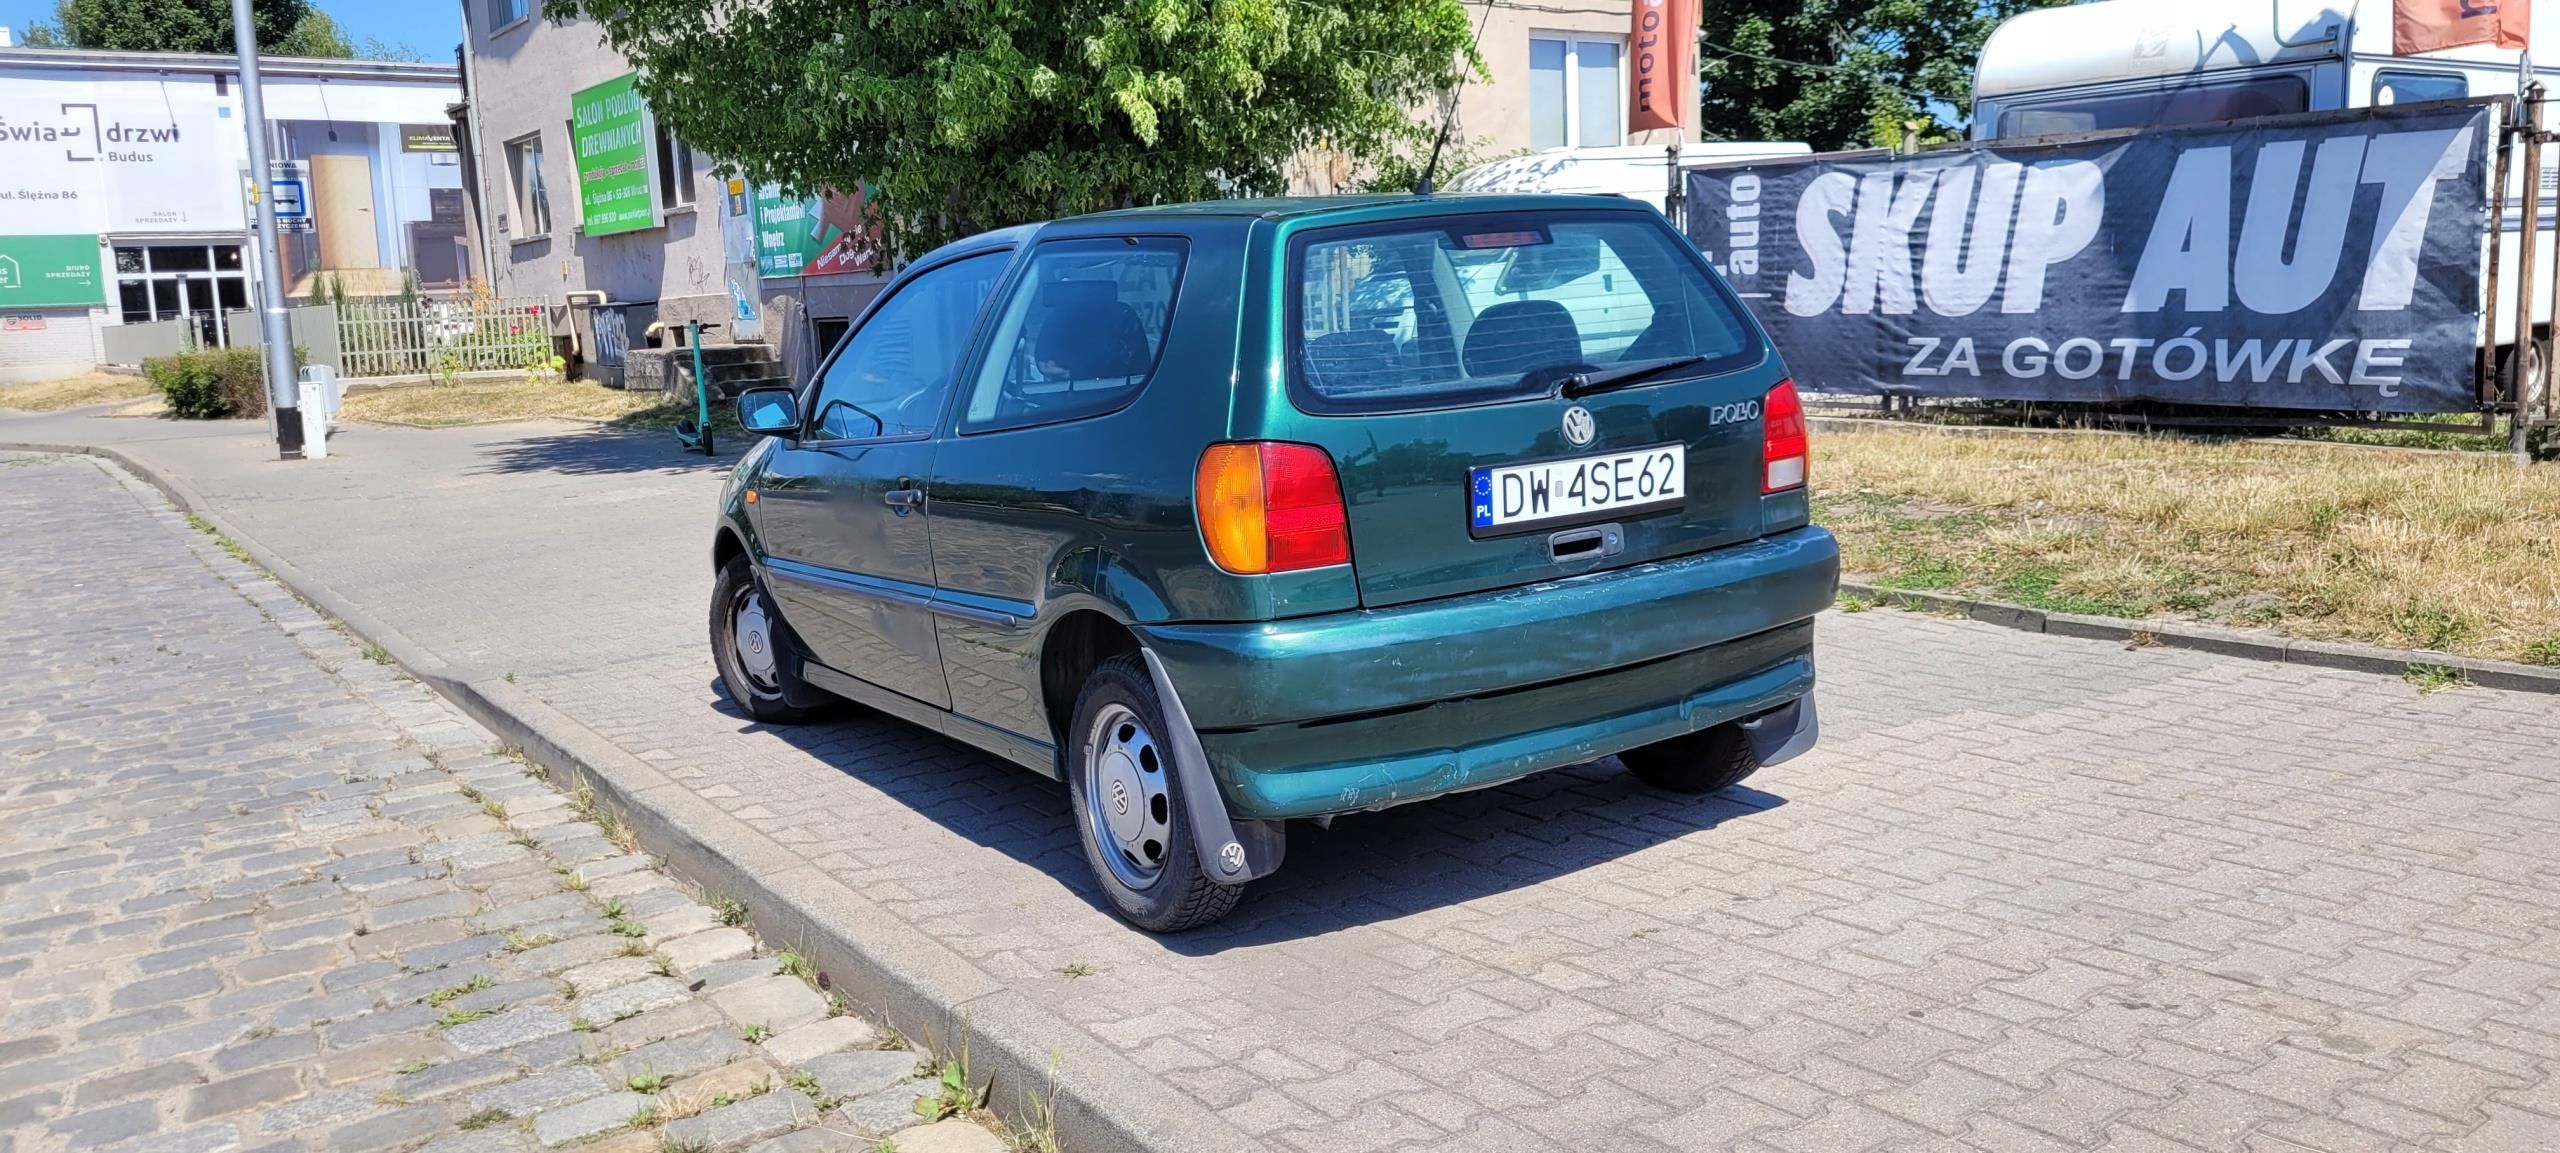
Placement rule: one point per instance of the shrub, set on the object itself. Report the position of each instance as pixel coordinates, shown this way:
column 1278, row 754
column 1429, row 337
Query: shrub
column 212, row 383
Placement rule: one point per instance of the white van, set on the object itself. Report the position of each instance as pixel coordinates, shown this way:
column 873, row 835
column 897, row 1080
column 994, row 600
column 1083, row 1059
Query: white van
column 1636, row 171
column 2119, row 64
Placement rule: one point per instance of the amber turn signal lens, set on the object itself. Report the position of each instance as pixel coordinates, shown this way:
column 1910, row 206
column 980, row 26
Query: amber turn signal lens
column 1266, row 507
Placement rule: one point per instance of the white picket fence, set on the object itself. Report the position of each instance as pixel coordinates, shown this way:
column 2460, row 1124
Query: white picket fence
column 464, row 334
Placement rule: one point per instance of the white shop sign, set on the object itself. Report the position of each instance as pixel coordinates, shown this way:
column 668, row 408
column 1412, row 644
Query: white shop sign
column 110, row 153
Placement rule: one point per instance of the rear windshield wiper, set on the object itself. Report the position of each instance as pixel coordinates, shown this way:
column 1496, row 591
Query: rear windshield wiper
column 1583, row 384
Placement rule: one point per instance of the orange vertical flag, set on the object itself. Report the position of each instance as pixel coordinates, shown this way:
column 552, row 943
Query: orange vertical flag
column 1662, row 73
column 2428, row 25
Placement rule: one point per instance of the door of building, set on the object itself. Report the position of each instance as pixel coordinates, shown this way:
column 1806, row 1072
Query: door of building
column 342, row 211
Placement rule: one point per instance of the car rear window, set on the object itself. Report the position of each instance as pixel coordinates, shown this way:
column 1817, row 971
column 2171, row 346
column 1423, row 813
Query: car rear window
column 1472, row 309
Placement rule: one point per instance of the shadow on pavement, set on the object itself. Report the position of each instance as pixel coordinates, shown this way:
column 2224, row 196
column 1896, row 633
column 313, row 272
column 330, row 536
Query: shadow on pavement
column 606, row 449
column 1367, row 867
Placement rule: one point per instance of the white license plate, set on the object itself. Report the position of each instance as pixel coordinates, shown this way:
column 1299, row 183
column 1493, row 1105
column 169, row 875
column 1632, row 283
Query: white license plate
column 1520, row 494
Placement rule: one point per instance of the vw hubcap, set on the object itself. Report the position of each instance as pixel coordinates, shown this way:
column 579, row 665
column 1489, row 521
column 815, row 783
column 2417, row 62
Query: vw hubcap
column 752, row 629
column 1126, row 799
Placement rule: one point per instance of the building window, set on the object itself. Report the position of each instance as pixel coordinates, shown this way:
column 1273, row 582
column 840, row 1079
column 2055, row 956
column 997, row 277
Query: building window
column 505, row 12
column 195, row 282
column 1577, row 92
column 675, row 171
column 533, row 200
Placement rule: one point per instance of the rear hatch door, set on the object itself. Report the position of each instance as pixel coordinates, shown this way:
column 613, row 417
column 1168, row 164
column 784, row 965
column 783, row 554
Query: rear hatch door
column 1516, row 397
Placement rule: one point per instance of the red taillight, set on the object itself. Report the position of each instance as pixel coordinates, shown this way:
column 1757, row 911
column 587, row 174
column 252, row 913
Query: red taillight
column 1266, row 507
column 1785, row 451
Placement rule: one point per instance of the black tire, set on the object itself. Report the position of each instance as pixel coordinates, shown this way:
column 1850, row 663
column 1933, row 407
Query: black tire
column 1168, row 891
column 762, row 697
column 1702, row 762
column 2529, row 391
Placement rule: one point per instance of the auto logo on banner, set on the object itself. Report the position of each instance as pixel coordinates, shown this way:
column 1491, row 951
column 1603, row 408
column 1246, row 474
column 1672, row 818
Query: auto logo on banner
column 2329, row 261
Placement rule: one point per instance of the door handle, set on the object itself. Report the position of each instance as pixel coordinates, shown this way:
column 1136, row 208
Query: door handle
column 903, row 497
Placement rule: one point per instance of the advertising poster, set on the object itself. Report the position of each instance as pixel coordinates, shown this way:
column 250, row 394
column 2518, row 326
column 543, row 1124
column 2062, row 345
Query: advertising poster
column 609, row 126
column 2329, row 262
column 808, row 235
column 116, row 154
column 49, row 271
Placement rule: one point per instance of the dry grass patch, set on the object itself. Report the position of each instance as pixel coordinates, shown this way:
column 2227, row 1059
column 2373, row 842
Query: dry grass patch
column 490, row 401
column 73, row 392
column 2411, row 550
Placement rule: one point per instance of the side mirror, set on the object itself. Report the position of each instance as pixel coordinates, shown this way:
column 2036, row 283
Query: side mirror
column 769, row 411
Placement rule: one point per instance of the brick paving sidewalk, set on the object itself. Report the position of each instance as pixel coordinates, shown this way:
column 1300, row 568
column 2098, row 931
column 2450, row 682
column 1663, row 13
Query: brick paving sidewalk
column 258, row 891
column 2033, row 894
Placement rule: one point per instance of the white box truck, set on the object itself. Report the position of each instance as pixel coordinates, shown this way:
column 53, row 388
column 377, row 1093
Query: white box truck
column 2119, row 64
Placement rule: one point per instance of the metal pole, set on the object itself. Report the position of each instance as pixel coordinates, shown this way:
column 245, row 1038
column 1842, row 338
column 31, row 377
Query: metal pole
column 282, row 390
column 2487, row 370
column 1675, row 201
column 2528, row 349
column 701, row 386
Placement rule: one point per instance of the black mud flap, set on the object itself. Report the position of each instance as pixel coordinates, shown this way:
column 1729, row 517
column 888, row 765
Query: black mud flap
column 1231, row 852
column 789, row 655
column 1784, row 733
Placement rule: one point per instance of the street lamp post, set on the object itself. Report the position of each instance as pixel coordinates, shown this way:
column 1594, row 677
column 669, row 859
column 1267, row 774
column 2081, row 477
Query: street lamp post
column 282, row 390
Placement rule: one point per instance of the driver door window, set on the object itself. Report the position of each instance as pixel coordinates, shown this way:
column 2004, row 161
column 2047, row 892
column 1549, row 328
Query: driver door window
column 889, row 379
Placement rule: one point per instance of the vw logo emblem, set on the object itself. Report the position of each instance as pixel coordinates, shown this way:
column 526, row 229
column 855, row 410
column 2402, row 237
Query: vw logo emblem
column 1579, row 428
column 1120, row 798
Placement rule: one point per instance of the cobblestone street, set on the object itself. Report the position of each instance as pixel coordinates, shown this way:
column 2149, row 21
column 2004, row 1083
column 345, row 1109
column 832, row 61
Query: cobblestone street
column 258, row 891
column 2031, row 893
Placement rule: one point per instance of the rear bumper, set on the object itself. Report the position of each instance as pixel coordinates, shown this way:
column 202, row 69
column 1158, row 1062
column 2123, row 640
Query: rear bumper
column 1307, row 770
column 1374, row 660
column 1356, row 710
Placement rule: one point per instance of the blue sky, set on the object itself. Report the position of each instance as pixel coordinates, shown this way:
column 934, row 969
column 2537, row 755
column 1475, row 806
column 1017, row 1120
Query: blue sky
column 432, row 27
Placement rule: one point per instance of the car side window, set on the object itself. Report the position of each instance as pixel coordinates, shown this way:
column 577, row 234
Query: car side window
column 892, row 373
column 1081, row 335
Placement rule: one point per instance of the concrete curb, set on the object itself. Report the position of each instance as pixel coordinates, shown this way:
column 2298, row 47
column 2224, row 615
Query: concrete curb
column 1098, row 1098
column 2220, row 642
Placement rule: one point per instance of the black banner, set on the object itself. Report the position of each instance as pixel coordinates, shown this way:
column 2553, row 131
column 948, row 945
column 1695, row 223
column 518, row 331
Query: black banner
column 2330, row 261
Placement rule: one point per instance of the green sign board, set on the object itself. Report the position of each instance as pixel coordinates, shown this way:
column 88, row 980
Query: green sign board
column 808, row 235
column 609, row 133
column 37, row 271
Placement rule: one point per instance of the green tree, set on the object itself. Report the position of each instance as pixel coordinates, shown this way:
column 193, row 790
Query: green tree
column 316, row 34
column 1844, row 73
column 958, row 115
column 285, row 27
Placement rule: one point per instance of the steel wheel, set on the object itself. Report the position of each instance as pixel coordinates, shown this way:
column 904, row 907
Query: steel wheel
column 752, row 638
column 1127, row 803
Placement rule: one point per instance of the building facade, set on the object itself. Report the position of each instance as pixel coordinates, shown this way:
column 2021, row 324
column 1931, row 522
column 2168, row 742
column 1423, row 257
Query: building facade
column 124, row 186
column 1555, row 77
column 581, row 198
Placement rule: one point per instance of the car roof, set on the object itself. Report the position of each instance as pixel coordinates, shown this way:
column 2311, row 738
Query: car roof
column 1367, row 206
column 1363, row 209
column 993, row 238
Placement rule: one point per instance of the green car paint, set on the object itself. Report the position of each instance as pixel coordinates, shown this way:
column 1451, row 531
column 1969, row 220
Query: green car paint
column 1443, row 657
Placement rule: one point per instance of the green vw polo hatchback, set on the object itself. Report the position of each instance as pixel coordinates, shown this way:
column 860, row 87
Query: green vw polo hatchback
column 1234, row 513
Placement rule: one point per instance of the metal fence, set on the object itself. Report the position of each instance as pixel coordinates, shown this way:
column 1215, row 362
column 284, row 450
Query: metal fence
column 463, row 334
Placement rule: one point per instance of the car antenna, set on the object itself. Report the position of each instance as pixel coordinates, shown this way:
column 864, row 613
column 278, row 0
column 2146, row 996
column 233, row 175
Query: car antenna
column 1449, row 114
